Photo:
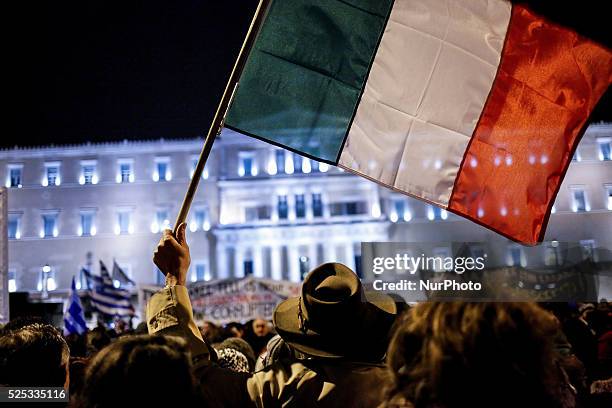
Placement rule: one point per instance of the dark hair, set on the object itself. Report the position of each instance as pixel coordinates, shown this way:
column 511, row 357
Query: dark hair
column 142, row 370
column 456, row 354
column 97, row 339
column 33, row 355
column 21, row 321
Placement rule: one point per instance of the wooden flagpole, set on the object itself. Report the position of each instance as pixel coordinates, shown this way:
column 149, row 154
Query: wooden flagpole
column 226, row 99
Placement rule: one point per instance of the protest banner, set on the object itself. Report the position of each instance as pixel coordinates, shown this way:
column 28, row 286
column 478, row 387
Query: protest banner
column 239, row 299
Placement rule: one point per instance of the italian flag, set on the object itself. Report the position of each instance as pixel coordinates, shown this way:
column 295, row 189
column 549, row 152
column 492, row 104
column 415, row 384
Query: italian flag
column 475, row 106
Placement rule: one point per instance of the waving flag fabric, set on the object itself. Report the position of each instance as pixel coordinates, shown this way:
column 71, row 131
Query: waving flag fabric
column 120, row 276
column 105, row 298
column 74, row 318
column 472, row 105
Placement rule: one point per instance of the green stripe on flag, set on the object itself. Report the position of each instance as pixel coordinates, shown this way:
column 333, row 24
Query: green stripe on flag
column 306, row 72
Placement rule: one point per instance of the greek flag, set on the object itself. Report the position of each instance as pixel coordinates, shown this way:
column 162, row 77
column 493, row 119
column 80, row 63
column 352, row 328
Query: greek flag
column 120, row 276
column 105, row 298
column 74, row 319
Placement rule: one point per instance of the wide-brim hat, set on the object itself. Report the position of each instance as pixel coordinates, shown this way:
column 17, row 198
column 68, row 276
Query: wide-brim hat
column 335, row 318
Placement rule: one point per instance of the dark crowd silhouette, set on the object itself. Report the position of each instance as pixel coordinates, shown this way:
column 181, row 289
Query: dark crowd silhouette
column 336, row 345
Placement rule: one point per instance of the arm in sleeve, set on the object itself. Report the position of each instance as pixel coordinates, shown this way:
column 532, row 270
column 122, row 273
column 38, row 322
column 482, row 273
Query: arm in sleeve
column 169, row 313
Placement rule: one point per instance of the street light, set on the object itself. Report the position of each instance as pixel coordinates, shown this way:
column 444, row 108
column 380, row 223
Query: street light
column 45, row 277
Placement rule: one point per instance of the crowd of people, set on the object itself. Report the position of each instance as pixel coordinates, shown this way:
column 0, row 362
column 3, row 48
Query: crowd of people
column 336, row 345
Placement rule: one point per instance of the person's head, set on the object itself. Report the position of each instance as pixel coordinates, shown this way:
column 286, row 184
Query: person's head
column 97, row 339
column 34, row 355
column 260, row 327
column 210, row 331
column 242, row 346
column 455, row 354
column 77, row 344
column 143, row 370
column 121, row 326
column 335, row 317
column 233, row 359
column 235, row 329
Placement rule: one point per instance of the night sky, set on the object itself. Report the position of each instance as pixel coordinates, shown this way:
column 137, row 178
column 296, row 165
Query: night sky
column 95, row 70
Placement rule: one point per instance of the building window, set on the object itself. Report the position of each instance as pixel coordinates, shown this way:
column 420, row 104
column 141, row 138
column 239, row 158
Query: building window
column 47, row 281
column 88, row 172
column 49, row 226
column 300, row 206
column 436, row 213
column 609, row 197
column 194, row 164
column 52, row 174
column 280, row 160
column 87, row 227
column 552, row 254
column 14, row 175
column 297, row 163
column 306, row 165
column 14, row 230
column 125, row 171
column 283, row 208
column 200, row 272
column 162, row 169
column 161, row 222
column 587, row 247
column 246, row 164
column 348, row 208
column 12, row 280
column 579, row 201
column 397, row 209
column 200, row 220
column 515, row 256
column 247, row 265
column 124, row 222
column 605, row 152
column 256, row 213
column 289, row 165
column 317, row 205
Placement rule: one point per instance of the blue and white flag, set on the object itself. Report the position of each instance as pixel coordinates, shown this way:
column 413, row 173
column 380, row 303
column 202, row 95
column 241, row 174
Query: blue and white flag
column 74, row 318
column 120, row 276
column 105, row 298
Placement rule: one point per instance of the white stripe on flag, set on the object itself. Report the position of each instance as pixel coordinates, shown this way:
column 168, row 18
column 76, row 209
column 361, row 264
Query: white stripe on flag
column 426, row 90
column 113, row 311
column 98, row 297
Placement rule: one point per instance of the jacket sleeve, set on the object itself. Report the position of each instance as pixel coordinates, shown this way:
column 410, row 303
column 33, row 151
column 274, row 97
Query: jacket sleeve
column 169, row 313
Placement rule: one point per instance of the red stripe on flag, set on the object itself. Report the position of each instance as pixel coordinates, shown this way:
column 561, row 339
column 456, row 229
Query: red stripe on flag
column 547, row 85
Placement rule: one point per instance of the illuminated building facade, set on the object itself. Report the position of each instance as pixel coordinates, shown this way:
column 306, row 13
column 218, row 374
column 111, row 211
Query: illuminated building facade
column 259, row 210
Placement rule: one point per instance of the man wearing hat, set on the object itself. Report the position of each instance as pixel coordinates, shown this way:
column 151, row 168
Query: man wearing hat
column 338, row 334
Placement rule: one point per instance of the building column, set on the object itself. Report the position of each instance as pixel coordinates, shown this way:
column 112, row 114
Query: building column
column 239, row 262
column 294, row 266
column 275, row 208
column 291, row 205
column 308, row 203
column 312, row 256
column 276, row 263
column 329, row 252
column 350, row 255
column 325, row 203
column 258, row 271
column 222, row 262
